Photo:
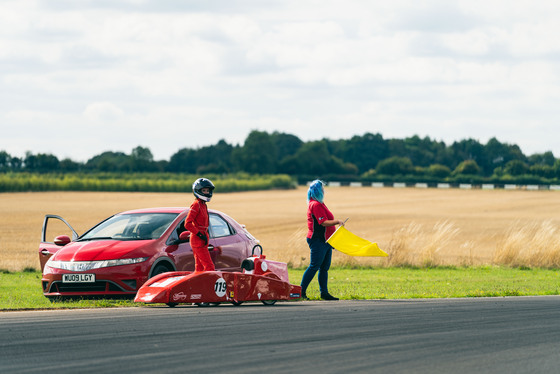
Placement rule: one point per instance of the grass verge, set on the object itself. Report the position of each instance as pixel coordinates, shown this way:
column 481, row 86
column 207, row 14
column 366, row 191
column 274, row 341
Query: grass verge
column 439, row 282
column 22, row 291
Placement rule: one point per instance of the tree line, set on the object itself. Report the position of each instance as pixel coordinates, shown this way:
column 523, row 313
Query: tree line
column 368, row 157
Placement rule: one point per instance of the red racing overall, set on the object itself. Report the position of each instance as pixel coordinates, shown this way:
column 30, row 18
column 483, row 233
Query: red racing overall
column 197, row 221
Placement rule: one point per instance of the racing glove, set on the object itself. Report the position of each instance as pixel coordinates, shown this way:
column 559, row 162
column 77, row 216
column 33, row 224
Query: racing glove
column 202, row 236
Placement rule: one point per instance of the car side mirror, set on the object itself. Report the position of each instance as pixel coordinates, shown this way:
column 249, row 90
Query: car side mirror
column 185, row 236
column 62, row 240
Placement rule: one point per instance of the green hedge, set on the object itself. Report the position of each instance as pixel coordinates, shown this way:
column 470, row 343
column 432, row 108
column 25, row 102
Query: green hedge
column 173, row 182
column 141, row 182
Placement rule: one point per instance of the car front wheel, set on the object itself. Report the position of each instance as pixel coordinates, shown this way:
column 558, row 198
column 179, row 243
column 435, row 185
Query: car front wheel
column 159, row 269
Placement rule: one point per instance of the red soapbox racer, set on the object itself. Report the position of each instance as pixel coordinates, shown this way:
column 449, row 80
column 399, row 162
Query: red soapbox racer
column 260, row 280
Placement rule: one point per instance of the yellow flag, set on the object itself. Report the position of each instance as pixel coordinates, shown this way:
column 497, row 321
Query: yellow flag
column 344, row 241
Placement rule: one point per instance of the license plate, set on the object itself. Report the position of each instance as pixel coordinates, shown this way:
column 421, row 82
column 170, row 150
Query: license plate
column 78, row 278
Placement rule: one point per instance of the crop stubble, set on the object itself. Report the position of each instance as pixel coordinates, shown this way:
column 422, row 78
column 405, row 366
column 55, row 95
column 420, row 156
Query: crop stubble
column 450, row 226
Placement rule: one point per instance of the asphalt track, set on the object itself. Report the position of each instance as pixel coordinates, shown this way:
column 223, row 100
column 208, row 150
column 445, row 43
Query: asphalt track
column 486, row 335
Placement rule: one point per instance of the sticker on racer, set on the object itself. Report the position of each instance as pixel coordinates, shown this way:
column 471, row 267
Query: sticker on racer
column 220, row 287
column 181, row 296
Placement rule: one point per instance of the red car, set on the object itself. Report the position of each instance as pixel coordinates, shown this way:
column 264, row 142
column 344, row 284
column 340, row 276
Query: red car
column 118, row 255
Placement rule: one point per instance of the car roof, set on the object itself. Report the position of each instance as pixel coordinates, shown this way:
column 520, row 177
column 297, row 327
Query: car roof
column 176, row 210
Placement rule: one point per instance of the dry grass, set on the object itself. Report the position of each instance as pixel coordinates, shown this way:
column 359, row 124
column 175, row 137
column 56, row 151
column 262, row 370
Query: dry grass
column 415, row 226
column 536, row 244
column 415, row 246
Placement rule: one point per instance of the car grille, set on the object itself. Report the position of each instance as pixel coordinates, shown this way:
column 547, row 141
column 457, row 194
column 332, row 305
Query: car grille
column 100, row 286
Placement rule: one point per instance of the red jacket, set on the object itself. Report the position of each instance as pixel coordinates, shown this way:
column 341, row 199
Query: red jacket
column 197, row 221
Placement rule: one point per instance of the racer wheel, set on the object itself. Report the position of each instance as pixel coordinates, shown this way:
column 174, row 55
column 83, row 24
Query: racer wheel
column 207, row 304
column 237, row 303
column 268, row 302
column 172, row 305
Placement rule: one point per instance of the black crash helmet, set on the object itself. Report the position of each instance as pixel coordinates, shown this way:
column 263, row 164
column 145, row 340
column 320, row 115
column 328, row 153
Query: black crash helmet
column 201, row 183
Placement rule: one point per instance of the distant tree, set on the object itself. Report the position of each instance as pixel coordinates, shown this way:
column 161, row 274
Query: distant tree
column 67, row 165
column 363, row 151
column 30, row 161
column 498, row 154
column 209, row 159
column 40, row 162
column 421, row 151
column 516, row 167
column 161, row 165
column 396, row 148
column 185, row 160
column 368, row 155
column 467, row 150
column 16, row 163
column 444, row 156
column 395, row 166
column 543, row 171
column 546, row 158
column 556, row 168
column 258, row 154
column 438, row 171
column 313, row 158
column 5, row 161
column 141, row 159
column 109, row 162
column 291, row 165
column 467, row 167
column 337, row 166
column 215, row 158
column 286, row 144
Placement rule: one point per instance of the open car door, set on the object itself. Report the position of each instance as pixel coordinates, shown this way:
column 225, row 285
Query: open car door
column 62, row 233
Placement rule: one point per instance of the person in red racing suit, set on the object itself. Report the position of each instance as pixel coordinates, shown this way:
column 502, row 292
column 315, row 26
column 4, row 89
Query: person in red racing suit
column 197, row 223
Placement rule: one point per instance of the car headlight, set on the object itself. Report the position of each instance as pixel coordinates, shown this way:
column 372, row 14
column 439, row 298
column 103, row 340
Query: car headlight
column 92, row 265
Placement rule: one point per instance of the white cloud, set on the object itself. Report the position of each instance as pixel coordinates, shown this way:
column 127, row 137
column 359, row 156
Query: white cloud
column 103, row 111
column 168, row 75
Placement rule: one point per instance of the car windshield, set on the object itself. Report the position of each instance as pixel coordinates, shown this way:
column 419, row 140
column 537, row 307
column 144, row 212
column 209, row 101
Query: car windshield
column 137, row 226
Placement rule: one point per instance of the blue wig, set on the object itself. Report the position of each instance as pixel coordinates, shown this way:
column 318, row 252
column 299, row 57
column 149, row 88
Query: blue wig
column 315, row 191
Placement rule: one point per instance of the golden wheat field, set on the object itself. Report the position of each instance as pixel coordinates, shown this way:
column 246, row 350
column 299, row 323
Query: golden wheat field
column 415, row 226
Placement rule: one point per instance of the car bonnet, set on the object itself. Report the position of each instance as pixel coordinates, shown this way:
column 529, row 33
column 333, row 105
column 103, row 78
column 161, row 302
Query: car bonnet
column 105, row 250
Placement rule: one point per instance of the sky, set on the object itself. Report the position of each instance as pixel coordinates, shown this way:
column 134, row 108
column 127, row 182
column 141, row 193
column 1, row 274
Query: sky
column 81, row 77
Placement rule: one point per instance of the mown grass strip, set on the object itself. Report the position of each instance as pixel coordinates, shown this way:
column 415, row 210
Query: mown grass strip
column 22, row 291
column 440, row 282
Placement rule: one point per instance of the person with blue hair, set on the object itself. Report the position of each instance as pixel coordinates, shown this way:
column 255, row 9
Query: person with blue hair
column 321, row 225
